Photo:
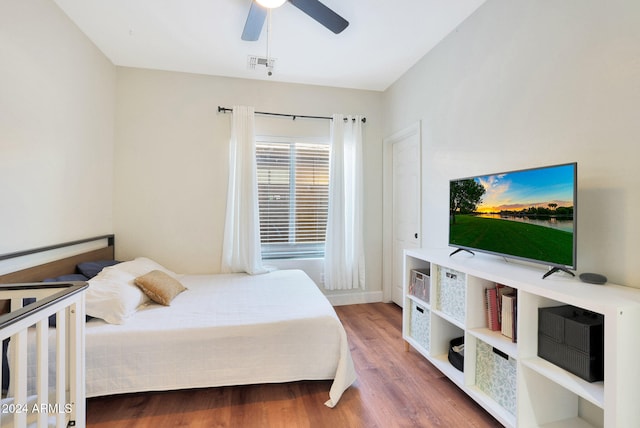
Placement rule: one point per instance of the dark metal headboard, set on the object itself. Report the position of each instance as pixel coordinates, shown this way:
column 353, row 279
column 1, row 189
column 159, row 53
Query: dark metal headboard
column 58, row 267
column 55, row 268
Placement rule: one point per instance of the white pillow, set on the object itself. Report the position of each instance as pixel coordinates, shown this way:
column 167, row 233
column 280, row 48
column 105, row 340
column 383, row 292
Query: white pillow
column 113, row 296
column 140, row 266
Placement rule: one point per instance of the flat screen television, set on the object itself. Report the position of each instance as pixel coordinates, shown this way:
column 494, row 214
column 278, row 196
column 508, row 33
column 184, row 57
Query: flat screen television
column 529, row 214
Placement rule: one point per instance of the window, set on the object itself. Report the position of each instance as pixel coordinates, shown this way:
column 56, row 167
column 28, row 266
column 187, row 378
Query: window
column 293, row 194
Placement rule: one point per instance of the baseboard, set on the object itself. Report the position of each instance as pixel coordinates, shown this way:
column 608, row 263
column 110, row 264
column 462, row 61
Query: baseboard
column 355, row 298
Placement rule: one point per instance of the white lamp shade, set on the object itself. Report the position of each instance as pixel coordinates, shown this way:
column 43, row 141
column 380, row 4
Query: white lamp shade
column 270, row 4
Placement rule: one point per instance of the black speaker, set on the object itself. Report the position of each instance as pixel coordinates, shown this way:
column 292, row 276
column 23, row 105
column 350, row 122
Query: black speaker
column 593, row 278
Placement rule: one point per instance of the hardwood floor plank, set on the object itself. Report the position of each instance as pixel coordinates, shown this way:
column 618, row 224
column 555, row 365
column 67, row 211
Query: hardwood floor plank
column 395, row 388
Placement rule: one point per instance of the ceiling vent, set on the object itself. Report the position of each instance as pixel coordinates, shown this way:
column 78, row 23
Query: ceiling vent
column 253, row 61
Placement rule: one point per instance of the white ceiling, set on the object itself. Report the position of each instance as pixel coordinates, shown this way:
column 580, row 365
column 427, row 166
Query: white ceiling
column 384, row 38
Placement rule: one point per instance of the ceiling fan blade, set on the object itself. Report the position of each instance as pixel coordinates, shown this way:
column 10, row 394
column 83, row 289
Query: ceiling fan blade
column 255, row 21
column 322, row 14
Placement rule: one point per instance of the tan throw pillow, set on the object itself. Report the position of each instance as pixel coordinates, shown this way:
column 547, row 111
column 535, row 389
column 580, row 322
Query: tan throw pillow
column 159, row 286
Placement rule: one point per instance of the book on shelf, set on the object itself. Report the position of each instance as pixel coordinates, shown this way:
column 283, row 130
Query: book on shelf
column 502, row 290
column 509, row 315
column 515, row 320
column 491, row 305
column 494, row 306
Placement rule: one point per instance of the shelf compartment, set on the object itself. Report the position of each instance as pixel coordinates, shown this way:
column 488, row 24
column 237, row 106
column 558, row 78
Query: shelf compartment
column 590, row 391
column 549, row 403
column 442, row 332
column 476, row 311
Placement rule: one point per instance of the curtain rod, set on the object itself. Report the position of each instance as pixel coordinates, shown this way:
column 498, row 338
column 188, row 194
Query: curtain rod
column 293, row 116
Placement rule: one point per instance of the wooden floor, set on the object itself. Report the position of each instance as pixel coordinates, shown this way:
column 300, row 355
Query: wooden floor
column 395, row 388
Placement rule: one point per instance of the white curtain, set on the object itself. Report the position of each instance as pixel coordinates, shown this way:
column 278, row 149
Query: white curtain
column 344, row 252
column 241, row 247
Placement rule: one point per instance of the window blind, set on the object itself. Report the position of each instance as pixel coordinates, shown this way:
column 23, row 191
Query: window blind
column 293, row 194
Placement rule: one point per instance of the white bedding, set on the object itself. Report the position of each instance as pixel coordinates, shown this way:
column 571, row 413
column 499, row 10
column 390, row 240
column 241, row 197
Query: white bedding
column 224, row 330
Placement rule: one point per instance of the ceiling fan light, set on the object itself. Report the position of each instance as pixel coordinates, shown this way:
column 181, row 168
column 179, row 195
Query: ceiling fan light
column 271, row 4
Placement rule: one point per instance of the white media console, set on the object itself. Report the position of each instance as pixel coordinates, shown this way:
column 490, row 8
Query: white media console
column 508, row 379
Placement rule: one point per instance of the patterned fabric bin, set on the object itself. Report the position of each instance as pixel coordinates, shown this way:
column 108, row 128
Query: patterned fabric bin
column 451, row 293
column 496, row 376
column 420, row 323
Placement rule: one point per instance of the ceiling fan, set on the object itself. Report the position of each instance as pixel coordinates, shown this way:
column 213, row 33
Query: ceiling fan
column 313, row 8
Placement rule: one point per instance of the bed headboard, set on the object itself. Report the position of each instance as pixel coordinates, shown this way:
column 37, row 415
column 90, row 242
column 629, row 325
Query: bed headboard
column 56, row 268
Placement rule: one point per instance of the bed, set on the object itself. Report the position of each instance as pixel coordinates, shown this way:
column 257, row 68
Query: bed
column 227, row 329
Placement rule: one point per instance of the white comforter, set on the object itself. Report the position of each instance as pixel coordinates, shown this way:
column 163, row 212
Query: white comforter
column 224, row 330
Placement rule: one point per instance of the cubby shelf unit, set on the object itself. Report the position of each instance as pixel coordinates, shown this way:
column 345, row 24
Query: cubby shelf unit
column 508, row 379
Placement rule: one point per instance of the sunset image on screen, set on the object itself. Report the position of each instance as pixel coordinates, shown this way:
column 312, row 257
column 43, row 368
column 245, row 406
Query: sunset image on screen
column 526, row 189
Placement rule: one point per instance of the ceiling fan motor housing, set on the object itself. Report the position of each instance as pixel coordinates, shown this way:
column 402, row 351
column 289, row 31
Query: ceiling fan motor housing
column 313, row 8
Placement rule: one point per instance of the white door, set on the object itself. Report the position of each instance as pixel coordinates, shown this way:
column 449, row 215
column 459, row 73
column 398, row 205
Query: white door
column 406, row 191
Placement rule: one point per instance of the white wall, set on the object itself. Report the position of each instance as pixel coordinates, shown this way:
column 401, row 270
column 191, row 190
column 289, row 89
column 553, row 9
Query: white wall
column 171, row 160
column 57, row 99
column 522, row 84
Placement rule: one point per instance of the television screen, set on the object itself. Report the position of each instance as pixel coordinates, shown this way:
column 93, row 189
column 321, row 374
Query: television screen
column 527, row 214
